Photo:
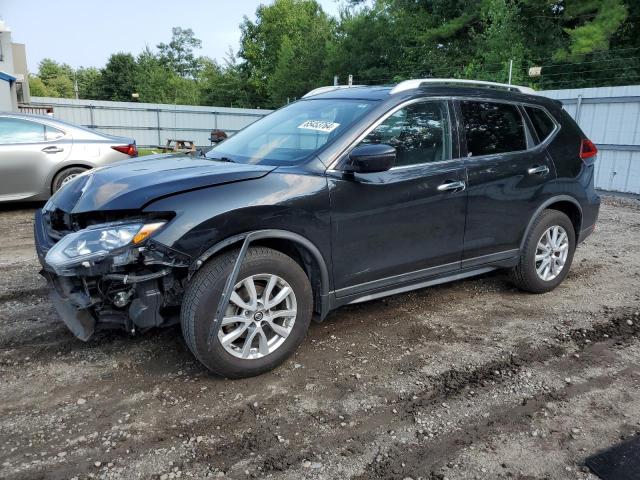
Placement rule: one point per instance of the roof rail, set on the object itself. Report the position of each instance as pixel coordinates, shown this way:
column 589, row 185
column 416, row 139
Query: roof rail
column 420, row 82
column 329, row 88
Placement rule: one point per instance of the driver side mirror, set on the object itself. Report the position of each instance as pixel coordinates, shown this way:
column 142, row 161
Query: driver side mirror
column 371, row 158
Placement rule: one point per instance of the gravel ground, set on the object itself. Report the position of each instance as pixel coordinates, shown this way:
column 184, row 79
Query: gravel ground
column 472, row 379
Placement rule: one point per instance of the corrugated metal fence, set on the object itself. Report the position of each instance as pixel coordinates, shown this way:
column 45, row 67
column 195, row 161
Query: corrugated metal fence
column 151, row 124
column 610, row 116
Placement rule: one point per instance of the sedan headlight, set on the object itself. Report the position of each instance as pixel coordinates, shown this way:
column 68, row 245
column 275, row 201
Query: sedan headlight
column 95, row 243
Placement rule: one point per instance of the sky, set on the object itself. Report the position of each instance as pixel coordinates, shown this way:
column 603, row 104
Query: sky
column 85, row 33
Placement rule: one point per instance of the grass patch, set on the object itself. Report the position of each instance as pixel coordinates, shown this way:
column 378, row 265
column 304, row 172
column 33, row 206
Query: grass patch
column 148, row 151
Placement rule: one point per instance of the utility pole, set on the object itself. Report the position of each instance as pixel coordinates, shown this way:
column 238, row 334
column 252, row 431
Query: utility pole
column 510, row 70
column 75, row 84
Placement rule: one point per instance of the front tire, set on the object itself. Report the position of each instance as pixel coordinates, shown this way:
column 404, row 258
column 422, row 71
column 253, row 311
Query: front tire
column 547, row 253
column 265, row 321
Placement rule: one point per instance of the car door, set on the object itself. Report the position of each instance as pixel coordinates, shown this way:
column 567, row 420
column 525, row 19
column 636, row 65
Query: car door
column 28, row 152
column 505, row 174
column 406, row 223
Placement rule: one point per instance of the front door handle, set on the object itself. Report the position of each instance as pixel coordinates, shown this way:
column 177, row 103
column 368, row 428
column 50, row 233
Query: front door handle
column 448, row 186
column 52, row 149
column 540, row 170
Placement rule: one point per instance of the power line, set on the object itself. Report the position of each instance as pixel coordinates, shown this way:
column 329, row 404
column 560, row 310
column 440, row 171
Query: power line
column 628, row 78
column 637, row 67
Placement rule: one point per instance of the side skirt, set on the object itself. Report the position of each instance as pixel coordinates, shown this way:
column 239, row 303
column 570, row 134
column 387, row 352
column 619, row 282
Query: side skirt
column 470, row 268
column 427, row 283
column 380, row 293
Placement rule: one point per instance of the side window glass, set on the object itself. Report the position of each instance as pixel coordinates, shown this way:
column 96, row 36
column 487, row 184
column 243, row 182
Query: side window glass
column 542, row 124
column 492, row 128
column 14, row 130
column 51, row 133
column 419, row 132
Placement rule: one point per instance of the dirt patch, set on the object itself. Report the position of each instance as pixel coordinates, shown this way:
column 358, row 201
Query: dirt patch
column 465, row 380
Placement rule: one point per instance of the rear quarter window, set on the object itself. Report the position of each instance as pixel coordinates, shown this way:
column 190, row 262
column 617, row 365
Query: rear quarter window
column 542, row 123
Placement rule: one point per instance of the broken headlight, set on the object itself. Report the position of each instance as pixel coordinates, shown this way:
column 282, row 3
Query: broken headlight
column 95, row 243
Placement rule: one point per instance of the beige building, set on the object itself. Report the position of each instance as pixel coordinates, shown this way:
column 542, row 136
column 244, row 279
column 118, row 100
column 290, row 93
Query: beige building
column 14, row 79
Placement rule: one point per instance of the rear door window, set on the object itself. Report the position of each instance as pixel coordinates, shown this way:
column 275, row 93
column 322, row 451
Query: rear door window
column 492, row 128
column 15, row 130
column 542, row 123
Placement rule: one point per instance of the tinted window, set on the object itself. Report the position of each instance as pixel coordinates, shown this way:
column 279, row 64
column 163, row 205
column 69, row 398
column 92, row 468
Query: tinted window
column 13, row 130
column 542, row 124
column 492, row 128
column 419, row 132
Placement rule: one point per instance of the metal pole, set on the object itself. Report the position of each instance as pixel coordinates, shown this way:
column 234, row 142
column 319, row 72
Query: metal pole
column 578, row 109
column 75, row 84
column 158, row 125
column 510, row 70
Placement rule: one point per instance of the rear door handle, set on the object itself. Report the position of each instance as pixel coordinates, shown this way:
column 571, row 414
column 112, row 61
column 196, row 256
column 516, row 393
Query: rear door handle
column 540, row 170
column 448, row 186
column 52, row 149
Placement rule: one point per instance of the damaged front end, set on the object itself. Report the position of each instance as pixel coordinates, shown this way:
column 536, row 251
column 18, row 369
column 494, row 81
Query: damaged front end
column 107, row 272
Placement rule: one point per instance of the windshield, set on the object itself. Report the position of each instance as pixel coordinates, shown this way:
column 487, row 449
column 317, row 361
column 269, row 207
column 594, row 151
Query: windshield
column 292, row 133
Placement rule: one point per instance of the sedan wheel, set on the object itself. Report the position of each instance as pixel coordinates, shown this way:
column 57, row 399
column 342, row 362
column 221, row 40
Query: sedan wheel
column 68, row 178
column 65, row 176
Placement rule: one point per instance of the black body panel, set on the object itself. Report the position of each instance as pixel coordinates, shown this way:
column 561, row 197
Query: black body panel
column 386, row 224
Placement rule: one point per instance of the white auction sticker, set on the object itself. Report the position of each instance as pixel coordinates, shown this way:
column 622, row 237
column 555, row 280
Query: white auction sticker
column 319, row 125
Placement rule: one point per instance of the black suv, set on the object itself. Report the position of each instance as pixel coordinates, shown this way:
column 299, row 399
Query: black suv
column 344, row 196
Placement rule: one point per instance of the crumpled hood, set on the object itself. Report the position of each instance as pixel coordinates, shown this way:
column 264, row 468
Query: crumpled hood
column 132, row 184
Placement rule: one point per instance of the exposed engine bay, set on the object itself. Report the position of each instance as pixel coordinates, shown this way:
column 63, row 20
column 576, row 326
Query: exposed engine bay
column 108, row 274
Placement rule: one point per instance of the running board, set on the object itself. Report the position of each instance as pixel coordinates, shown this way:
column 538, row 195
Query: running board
column 428, row 283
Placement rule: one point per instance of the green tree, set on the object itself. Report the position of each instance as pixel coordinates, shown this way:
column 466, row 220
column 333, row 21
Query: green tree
column 56, row 78
column 285, row 49
column 178, row 53
column 37, row 88
column 118, row 77
column 226, row 84
column 595, row 34
column 89, row 82
column 153, row 79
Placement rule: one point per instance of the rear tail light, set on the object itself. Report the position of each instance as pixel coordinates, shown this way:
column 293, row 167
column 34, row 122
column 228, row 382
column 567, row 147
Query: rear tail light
column 587, row 149
column 130, row 149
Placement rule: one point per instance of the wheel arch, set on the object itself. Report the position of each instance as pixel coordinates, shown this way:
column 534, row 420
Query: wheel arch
column 563, row 203
column 62, row 168
column 296, row 246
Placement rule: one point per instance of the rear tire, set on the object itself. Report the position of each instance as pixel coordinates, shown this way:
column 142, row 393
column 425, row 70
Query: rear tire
column 64, row 176
column 543, row 263
column 244, row 357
